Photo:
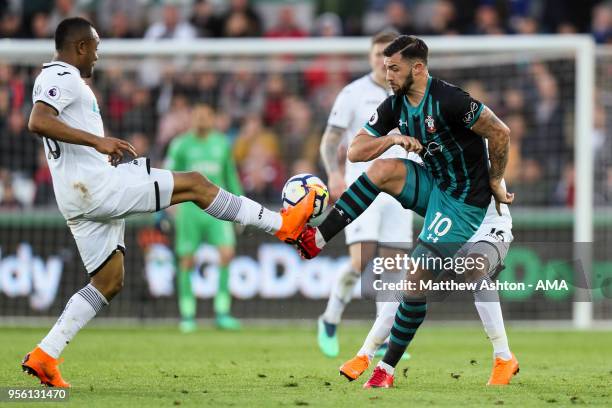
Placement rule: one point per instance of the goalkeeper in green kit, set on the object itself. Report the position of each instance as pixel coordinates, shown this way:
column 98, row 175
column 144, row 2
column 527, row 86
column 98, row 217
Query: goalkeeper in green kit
column 208, row 152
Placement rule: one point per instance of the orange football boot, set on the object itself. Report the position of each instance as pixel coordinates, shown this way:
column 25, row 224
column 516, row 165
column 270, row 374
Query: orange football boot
column 503, row 370
column 295, row 218
column 353, row 368
column 39, row 364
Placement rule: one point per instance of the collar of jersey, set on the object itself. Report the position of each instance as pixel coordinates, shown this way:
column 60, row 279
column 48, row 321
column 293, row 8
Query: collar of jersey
column 63, row 64
column 419, row 107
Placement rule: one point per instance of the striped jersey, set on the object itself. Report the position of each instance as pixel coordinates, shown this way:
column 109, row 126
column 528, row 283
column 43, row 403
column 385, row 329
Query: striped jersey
column 353, row 106
column 455, row 155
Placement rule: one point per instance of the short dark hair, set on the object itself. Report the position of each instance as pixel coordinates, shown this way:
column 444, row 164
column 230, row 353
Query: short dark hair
column 384, row 37
column 409, row 47
column 71, row 29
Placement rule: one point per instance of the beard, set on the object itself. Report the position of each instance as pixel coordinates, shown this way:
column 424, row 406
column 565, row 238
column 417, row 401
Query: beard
column 403, row 90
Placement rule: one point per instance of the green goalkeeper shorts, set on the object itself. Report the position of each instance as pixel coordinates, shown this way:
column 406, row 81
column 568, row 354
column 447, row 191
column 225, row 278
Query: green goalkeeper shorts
column 448, row 223
column 194, row 227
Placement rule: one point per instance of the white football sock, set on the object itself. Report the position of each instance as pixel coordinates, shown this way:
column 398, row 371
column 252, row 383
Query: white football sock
column 341, row 294
column 79, row 310
column 390, row 370
column 230, row 207
column 380, row 330
column 489, row 310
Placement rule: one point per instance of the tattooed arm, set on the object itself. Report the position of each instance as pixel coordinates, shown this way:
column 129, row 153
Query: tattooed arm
column 332, row 137
column 491, row 127
column 498, row 134
column 329, row 148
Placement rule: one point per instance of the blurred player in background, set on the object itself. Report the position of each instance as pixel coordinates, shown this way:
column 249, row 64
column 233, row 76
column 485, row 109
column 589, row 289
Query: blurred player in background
column 385, row 227
column 95, row 192
column 208, row 152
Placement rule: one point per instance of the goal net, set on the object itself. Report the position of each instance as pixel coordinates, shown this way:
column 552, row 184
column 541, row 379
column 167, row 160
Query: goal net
column 272, row 99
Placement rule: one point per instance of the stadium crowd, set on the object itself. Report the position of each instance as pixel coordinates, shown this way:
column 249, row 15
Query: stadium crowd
column 275, row 118
column 302, row 18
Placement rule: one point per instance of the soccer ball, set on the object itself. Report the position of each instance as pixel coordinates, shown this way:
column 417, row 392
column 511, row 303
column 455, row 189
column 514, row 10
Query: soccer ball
column 298, row 186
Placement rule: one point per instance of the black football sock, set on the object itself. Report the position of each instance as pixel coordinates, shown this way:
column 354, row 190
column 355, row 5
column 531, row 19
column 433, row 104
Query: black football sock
column 349, row 206
column 408, row 318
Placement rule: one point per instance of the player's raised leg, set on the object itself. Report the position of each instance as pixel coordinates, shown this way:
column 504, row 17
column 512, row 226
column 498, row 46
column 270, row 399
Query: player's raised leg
column 43, row 361
column 386, row 175
column 223, row 205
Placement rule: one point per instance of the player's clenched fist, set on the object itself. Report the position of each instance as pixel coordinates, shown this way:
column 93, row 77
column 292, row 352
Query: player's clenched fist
column 409, row 143
column 114, row 148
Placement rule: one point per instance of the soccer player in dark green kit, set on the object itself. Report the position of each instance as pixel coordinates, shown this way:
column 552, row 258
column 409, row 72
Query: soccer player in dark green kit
column 452, row 189
column 208, row 152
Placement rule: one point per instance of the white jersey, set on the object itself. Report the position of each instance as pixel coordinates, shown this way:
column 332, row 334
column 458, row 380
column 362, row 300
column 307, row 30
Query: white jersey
column 352, row 109
column 80, row 173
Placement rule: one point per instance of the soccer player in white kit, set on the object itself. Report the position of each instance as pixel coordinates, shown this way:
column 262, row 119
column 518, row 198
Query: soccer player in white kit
column 385, row 226
column 95, row 193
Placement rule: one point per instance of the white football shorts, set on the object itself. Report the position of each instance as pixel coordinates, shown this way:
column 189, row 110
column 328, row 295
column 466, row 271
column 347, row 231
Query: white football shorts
column 492, row 239
column 384, row 221
column 135, row 188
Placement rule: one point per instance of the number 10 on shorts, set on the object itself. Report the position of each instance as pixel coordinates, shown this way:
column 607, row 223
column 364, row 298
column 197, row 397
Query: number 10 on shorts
column 439, row 227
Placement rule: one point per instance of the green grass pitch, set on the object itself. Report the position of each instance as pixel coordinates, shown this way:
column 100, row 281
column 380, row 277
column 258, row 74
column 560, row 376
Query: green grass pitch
column 281, row 366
